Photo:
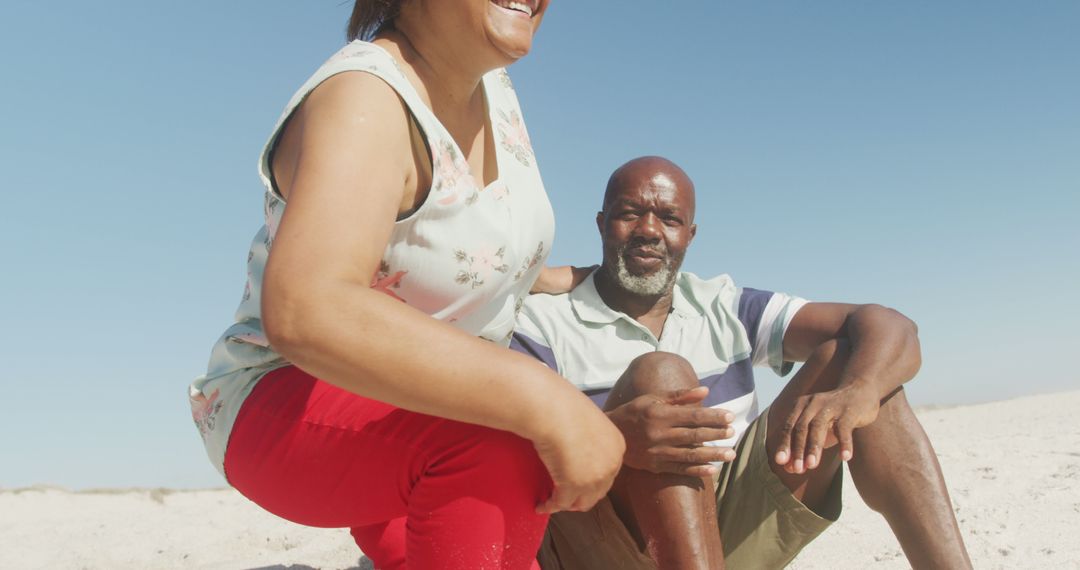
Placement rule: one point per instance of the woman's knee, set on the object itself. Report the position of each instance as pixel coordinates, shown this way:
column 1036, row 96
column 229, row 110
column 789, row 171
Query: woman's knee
column 487, row 456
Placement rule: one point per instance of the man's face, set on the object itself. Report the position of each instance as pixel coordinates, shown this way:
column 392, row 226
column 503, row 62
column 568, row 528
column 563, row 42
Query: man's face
column 646, row 227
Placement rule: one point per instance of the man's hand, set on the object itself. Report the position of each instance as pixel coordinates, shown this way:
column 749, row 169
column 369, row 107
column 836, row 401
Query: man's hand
column 819, row 421
column 665, row 433
column 561, row 279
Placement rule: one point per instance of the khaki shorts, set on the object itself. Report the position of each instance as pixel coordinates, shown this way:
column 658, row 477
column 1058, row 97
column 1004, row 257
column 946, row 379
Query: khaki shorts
column 761, row 524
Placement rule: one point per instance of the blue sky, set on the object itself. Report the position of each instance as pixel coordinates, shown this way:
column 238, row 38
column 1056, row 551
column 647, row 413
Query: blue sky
column 919, row 155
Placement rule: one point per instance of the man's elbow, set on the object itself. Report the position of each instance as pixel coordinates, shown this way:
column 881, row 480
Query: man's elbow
column 895, row 319
column 912, row 346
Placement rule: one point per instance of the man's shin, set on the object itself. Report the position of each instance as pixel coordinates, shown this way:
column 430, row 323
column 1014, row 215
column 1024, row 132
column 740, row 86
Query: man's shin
column 898, row 475
column 673, row 518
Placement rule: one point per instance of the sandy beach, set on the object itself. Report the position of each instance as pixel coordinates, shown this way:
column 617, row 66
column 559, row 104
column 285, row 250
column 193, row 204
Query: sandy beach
column 1013, row 468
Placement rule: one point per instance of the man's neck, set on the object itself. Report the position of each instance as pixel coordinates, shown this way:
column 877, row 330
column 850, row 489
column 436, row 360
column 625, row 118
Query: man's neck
column 649, row 310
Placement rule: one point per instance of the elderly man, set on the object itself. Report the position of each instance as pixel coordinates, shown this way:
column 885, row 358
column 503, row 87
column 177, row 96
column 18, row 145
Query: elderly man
column 668, row 356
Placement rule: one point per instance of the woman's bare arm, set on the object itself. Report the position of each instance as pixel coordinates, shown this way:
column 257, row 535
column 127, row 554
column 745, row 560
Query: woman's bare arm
column 351, row 165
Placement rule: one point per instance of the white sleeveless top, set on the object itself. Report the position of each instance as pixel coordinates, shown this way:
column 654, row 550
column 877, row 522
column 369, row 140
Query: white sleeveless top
column 467, row 256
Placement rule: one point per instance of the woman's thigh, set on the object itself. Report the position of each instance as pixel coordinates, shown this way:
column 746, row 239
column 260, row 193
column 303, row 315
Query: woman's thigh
column 318, row 455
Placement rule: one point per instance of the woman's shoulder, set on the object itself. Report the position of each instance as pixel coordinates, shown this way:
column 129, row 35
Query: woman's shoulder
column 372, row 94
column 363, row 56
column 377, row 77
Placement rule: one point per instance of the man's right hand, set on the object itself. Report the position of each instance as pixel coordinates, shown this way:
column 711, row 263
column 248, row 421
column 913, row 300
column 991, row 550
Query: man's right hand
column 666, row 433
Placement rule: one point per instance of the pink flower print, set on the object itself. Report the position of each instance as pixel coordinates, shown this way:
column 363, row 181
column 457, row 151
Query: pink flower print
column 272, row 210
column 514, row 137
column 504, row 79
column 383, row 281
column 530, row 261
column 204, row 410
column 452, row 177
column 499, row 191
column 480, row 265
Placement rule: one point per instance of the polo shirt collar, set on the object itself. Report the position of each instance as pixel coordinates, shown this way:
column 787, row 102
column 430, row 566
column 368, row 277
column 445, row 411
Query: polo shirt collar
column 591, row 308
column 588, row 305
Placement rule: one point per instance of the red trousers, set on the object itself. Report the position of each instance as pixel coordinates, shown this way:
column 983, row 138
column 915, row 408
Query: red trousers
column 417, row 491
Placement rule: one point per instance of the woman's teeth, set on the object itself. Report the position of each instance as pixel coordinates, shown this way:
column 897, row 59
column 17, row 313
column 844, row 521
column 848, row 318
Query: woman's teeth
column 517, row 7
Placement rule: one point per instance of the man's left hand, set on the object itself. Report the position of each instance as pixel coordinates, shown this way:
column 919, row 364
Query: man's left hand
column 819, row 421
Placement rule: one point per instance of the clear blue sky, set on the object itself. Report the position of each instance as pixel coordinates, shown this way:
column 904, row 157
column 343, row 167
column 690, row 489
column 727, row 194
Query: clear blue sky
column 921, row 155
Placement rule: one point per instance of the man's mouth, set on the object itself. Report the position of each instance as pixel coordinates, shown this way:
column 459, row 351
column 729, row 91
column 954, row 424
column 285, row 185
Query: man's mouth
column 645, row 253
column 526, row 7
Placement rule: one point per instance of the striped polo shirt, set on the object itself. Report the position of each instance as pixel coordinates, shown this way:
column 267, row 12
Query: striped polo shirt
column 722, row 330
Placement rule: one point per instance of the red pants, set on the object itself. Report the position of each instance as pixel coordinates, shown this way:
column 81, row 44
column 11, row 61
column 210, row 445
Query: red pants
column 417, row 491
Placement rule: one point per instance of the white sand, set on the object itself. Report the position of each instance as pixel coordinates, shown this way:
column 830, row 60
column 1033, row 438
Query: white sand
column 1013, row 469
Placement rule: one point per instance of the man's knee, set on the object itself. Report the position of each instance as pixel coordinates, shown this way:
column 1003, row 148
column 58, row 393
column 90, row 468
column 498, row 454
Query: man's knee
column 895, row 414
column 653, row 373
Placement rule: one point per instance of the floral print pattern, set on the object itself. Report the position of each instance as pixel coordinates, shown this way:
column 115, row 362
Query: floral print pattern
column 272, row 207
column 499, row 190
column 204, row 411
column 479, row 266
column 513, row 136
column 530, row 262
column 453, row 177
column 504, row 79
column 383, row 280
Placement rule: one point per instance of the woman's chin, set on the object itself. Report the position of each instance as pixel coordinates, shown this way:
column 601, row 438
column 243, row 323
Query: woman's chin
column 510, row 33
column 510, row 48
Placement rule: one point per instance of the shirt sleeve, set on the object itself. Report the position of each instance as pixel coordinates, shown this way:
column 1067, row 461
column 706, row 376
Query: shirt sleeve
column 529, row 339
column 766, row 316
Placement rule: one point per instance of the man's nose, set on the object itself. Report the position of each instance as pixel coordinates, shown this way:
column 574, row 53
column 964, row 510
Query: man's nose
column 648, row 226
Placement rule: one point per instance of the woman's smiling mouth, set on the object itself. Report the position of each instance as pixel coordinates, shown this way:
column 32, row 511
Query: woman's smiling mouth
column 527, row 7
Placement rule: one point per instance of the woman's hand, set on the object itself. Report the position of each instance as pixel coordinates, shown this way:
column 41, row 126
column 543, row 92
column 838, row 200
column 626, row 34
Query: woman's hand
column 583, row 452
column 561, row 279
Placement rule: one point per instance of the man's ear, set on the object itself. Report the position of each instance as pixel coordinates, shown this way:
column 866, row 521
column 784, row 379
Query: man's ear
column 693, row 231
column 600, row 223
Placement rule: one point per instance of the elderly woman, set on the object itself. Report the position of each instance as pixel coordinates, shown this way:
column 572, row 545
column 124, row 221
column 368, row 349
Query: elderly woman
column 366, row 382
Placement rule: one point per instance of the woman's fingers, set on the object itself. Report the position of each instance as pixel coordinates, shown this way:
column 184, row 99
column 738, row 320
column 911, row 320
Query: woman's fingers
column 582, row 456
column 558, row 501
column 571, row 498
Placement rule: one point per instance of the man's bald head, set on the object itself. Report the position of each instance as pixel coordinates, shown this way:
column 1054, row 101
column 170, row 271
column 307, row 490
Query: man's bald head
column 650, row 171
column 646, row 224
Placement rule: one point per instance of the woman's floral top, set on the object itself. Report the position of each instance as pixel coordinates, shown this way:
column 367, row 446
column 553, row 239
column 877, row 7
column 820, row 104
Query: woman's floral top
column 467, row 256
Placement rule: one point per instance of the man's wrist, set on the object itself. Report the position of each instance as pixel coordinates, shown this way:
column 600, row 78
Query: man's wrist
column 862, row 384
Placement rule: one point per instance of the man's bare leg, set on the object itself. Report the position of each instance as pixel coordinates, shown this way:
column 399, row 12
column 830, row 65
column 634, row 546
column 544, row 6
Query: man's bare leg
column 672, row 516
column 894, row 467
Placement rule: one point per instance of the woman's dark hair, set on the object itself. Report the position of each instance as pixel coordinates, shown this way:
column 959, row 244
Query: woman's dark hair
column 369, row 17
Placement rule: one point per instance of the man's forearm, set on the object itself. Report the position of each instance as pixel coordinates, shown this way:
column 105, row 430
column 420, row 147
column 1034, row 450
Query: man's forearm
column 885, row 349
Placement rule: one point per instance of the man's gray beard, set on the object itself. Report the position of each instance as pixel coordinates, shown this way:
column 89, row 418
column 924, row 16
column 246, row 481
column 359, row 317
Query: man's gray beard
column 651, row 285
